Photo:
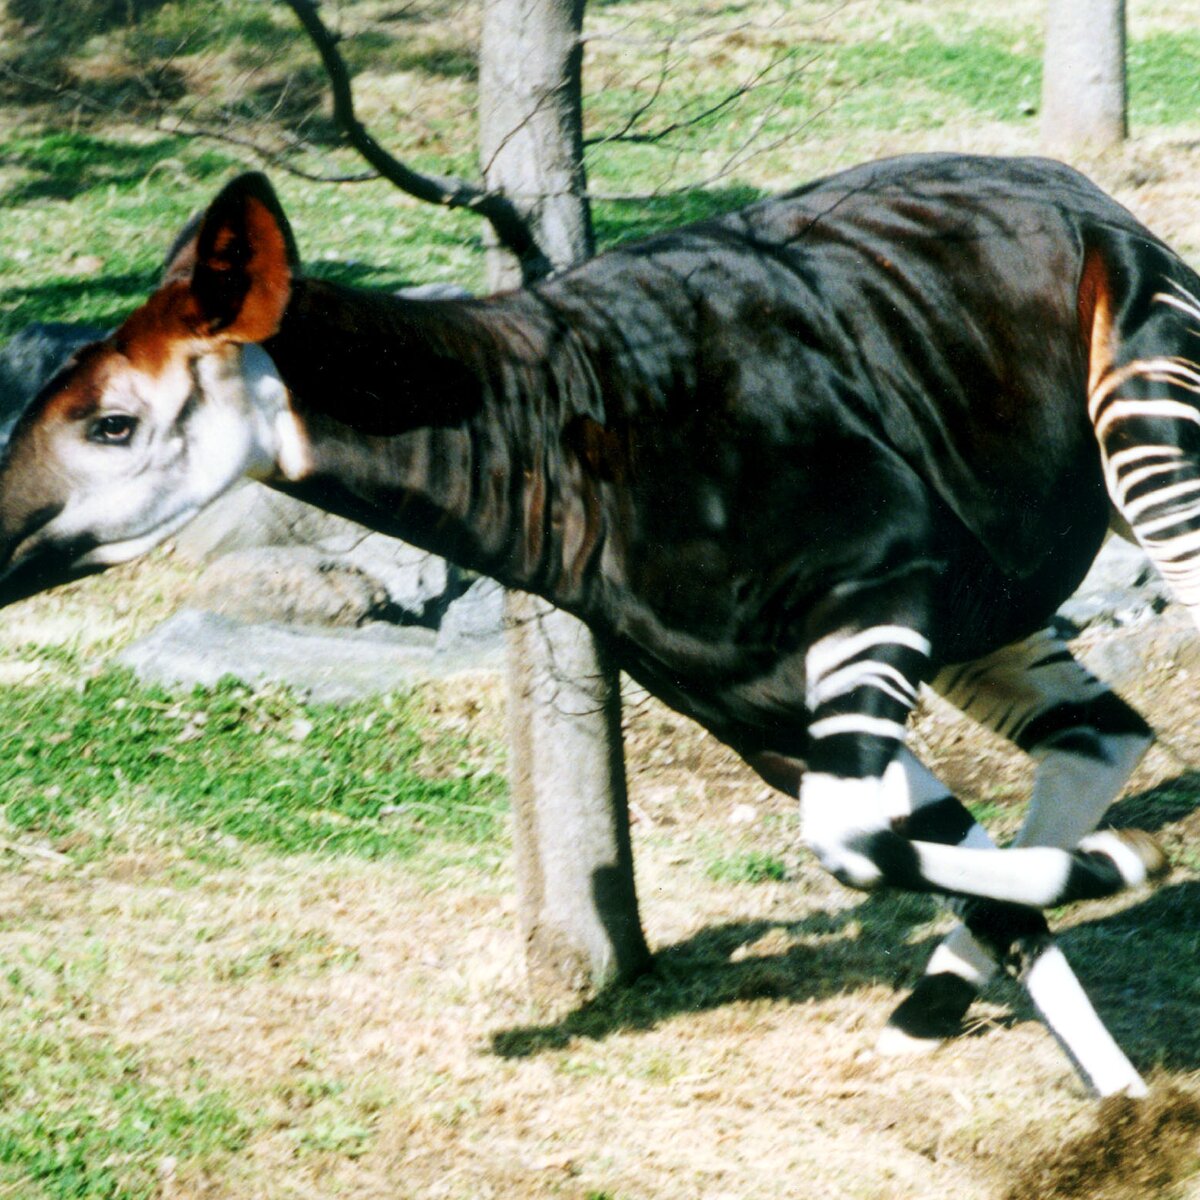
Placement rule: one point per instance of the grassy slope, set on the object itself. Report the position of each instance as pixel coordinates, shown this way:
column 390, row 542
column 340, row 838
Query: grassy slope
column 253, row 948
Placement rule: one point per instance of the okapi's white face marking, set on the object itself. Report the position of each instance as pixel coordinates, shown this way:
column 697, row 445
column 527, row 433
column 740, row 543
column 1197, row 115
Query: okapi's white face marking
column 139, row 432
column 194, row 432
column 142, row 455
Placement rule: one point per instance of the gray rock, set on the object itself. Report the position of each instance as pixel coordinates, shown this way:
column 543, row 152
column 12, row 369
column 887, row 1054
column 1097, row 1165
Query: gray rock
column 473, row 625
column 29, row 358
column 418, row 585
column 1121, row 589
column 253, row 515
column 294, row 584
column 195, row 647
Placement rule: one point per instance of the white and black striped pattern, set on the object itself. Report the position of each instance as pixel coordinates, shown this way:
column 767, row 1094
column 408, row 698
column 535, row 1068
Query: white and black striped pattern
column 861, row 686
column 1087, row 742
column 862, row 683
column 1146, row 414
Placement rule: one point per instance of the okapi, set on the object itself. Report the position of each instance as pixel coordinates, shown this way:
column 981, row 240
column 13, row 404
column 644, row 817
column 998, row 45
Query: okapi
column 788, row 464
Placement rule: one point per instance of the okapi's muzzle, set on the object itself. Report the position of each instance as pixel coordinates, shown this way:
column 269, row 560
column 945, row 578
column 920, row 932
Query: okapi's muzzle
column 42, row 569
column 30, row 563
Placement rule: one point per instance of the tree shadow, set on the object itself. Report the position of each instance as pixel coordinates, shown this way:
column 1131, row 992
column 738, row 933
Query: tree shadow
column 1140, row 968
column 1136, row 965
column 827, row 952
column 620, row 221
column 69, row 164
column 106, row 300
column 1161, row 805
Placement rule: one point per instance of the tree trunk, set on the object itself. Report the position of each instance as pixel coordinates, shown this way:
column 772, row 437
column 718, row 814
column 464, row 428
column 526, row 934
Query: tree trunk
column 1083, row 76
column 576, row 898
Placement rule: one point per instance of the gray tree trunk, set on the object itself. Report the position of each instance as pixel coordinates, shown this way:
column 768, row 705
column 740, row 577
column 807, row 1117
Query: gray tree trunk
column 576, row 899
column 1083, row 76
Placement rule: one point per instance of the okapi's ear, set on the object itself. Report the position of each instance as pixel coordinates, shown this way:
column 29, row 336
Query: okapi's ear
column 238, row 260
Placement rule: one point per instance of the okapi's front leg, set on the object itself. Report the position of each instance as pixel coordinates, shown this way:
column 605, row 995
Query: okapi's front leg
column 1086, row 741
column 862, row 685
column 913, row 806
column 993, row 933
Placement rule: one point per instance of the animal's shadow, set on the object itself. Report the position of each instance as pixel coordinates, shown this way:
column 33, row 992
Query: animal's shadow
column 1137, row 965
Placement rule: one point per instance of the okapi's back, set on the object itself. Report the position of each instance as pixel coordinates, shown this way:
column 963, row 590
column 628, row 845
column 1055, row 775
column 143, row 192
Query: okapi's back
column 933, row 302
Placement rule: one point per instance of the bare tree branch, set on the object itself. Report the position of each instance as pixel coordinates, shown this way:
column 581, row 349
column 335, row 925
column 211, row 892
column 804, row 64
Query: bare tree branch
column 625, row 134
column 510, row 227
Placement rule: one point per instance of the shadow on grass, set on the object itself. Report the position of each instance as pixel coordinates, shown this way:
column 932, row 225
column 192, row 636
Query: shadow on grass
column 101, row 300
column 106, row 300
column 67, row 165
column 1140, row 968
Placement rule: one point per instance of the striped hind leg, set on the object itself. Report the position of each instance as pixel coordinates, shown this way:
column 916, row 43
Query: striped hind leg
column 1143, row 343
column 1086, row 742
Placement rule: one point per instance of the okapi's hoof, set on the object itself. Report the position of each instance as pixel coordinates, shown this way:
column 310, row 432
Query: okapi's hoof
column 930, row 1015
column 1138, row 856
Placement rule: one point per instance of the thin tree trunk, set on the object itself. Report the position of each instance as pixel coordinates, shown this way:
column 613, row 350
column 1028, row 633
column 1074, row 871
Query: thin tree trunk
column 576, row 899
column 1083, row 76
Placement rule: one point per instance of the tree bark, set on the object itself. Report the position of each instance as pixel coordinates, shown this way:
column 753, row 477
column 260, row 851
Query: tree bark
column 1083, row 76
column 576, row 899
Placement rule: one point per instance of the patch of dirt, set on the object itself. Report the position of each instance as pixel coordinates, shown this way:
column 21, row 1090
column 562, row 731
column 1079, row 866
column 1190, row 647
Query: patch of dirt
column 1134, row 1150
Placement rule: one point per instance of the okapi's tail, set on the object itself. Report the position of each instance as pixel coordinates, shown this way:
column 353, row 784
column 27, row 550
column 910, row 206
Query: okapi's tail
column 1139, row 310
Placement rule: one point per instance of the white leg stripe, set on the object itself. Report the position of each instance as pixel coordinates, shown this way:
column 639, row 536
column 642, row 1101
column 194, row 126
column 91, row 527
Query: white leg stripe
column 866, row 673
column 909, row 785
column 961, row 955
column 1120, row 410
column 1121, row 458
column 1132, row 869
column 1185, row 302
column 1066, row 1009
column 1035, row 876
column 1134, row 508
column 832, row 651
column 856, row 723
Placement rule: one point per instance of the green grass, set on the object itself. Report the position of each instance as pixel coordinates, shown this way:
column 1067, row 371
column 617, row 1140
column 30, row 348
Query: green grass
column 91, row 195
column 80, row 1120
column 749, row 866
column 237, row 766
column 1164, row 79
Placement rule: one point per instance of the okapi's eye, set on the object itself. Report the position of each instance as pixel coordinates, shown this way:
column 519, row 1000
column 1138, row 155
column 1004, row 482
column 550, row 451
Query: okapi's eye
column 113, row 429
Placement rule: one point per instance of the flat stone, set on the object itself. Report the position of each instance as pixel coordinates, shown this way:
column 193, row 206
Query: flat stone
column 1121, row 589
column 419, row 585
column 200, row 648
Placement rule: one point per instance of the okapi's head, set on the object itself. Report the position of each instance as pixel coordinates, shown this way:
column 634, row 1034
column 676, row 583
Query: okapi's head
column 138, row 432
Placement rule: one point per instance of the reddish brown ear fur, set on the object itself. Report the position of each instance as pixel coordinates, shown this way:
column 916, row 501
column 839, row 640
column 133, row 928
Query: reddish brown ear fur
column 239, row 266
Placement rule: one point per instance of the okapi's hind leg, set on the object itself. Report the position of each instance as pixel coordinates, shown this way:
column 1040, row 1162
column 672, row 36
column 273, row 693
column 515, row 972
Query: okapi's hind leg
column 1143, row 333
column 1087, row 742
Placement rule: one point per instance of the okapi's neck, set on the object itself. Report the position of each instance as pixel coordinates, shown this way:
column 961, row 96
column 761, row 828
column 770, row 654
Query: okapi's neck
column 448, row 423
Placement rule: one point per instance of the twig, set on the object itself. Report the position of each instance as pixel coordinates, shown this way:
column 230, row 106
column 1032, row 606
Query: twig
column 177, row 128
column 510, row 227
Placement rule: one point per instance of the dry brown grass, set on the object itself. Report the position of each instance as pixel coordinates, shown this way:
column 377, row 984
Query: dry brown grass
column 374, row 1025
